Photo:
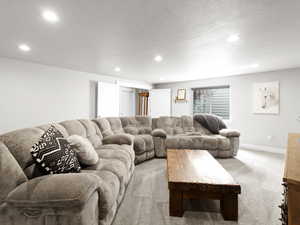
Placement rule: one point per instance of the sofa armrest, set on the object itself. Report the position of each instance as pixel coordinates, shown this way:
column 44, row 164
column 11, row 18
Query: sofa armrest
column 119, row 139
column 59, row 190
column 229, row 133
column 159, row 133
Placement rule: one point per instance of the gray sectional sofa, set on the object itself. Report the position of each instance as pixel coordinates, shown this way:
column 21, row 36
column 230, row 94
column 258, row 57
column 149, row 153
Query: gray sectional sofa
column 92, row 197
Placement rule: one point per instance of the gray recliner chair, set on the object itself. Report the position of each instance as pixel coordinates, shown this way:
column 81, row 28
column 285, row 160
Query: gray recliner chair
column 186, row 133
column 138, row 126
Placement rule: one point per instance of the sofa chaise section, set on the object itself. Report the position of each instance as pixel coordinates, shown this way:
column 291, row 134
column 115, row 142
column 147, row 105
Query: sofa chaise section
column 90, row 197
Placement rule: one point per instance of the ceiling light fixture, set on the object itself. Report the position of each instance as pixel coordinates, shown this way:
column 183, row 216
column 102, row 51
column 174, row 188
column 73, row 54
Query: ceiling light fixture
column 117, row 69
column 233, row 38
column 50, row 16
column 158, row 58
column 24, row 47
column 161, row 78
column 255, row 65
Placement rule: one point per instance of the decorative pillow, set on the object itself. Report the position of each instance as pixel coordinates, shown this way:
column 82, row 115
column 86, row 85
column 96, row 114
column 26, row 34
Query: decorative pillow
column 85, row 151
column 54, row 153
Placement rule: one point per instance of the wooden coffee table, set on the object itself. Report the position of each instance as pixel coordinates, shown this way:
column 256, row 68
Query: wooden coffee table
column 195, row 174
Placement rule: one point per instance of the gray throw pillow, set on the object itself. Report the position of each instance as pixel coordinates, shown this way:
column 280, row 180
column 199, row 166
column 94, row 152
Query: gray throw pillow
column 86, row 153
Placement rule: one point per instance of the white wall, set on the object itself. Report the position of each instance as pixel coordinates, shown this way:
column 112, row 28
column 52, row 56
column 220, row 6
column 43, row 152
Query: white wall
column 255, row 129
column 33, row 94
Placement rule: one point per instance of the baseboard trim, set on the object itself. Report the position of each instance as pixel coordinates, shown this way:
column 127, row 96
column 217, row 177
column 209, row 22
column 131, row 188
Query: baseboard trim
column 262, row 148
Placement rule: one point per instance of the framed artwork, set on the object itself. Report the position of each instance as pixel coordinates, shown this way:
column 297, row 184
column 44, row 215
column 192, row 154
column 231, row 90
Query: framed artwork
column 266, row 98
column 181, row 94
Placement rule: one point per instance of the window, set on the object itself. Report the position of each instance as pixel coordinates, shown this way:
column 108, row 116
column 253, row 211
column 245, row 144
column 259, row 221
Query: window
column 213, row 100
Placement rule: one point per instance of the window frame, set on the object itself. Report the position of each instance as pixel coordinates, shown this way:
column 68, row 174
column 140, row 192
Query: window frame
column 216, row 87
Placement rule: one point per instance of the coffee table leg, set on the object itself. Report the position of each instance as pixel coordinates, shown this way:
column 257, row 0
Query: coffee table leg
column 176, row 203
column 229, row 207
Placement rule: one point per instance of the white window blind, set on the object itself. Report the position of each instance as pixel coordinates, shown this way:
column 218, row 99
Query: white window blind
column 213, row 100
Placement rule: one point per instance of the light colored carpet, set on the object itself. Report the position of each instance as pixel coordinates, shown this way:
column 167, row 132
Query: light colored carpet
column 259, row 173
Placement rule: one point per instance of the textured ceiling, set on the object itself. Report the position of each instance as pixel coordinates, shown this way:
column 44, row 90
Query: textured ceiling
column 97, row 35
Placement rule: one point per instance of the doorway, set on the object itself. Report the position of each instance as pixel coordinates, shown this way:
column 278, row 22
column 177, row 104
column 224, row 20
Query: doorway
column 127, row 101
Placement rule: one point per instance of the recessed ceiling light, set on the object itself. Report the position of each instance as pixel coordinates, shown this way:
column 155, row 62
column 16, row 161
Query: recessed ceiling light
column 117, row 69
column 161, row 78
column 24, row 48
column 255, row 65
column 50, row 16
column 158, row 58
column 233, row 38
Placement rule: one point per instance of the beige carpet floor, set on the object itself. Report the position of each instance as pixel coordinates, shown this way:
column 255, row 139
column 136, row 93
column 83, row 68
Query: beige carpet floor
column 259, row 173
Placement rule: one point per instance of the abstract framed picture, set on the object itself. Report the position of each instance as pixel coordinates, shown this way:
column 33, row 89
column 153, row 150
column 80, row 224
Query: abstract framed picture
column 266, row 98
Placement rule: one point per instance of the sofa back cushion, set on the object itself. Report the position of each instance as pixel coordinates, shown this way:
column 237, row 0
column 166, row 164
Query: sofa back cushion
column 137, row 125
column 110, row 126
column 11, row 173
column 116, row 125
column 165, row 123
column 104, row 126
column 174, row 125
column 187, row 123
column 85, row 128
column 19, row 143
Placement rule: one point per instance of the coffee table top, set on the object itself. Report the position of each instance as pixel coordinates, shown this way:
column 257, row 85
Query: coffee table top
column 197, row 168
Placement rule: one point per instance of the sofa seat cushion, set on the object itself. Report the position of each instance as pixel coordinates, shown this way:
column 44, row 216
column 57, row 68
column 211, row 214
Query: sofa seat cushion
column 223, row 142
column 119, row 169
column 114, row 166
column 127, row 149
column 143, row 143
column 59, row 190
column 124, row 156
column 205, row 142
column 192, row 133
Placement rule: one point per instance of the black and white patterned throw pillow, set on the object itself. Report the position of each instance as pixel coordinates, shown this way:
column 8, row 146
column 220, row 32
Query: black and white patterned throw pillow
column 54, row 154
